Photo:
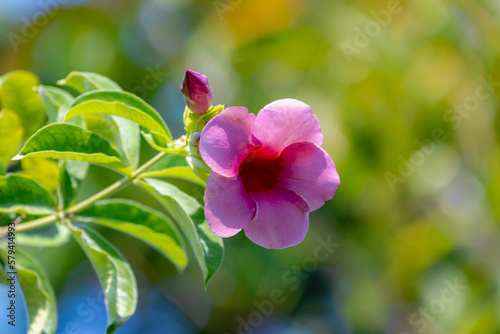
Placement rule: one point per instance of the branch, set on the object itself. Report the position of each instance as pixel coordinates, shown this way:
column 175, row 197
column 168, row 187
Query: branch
column 47, row 220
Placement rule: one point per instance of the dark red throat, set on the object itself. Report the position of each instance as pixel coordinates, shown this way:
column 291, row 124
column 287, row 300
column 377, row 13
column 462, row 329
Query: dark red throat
column 260, row 171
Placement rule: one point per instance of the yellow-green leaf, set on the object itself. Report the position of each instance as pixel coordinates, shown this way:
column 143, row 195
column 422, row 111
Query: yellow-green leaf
column 44, row 171
column 17, row 94
column 56, row 102
column 66, row 141
column 88, row 81
column 184, row 173
column 121, row 104
column 11, row 135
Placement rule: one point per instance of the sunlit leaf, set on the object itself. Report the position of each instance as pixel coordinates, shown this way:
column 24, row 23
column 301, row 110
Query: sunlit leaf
column 183, row 173
column 173, row 166
column 116, row 277
column 160, row 142
column 121, row 104
column 53, row 235
column 17, row 94
column 42, row 170
column 56, row 102
column 189, row 215
column 88, row 81
column 11, row 135
column 66, row 141
column 20, row 194
column 38, row 293
column 127, row 134
column 141, row 222
column 168, row 161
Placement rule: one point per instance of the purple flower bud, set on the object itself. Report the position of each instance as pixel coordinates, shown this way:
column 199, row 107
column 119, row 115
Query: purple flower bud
column 197, row 92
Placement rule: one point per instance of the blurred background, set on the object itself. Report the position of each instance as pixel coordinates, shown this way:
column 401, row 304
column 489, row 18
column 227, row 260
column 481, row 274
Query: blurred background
column 407, row 93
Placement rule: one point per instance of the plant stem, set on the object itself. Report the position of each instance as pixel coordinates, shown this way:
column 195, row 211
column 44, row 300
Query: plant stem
column 37, row 223
column 103, row 193
column 47, row 220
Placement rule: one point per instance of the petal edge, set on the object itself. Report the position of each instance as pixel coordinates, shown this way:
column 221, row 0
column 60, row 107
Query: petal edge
column 281, row 219
column 228, row 208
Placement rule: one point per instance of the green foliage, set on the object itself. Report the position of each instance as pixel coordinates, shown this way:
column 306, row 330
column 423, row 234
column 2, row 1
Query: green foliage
column 182, row 172
column 189, row 215
column 142, row 222
column 38, row 293
column 56, row 102
column 11, row 135
column 22, row 195
column 42, row 170
column 125, row 132
column 114, row 273
column 17, row 94
column 101, row 125
column 66, row 141
column 54, row 235
column 87, row 82
column 121, row 104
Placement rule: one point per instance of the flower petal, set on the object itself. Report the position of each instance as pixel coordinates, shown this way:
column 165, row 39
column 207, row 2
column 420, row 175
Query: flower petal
column 310, row 172
column 226, row 140
column 281, row 220
column 228, row 207
column 284, row 122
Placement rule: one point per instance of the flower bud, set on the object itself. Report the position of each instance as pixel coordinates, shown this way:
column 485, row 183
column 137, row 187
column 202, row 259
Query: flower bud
column 194, row 142
column 197, row 92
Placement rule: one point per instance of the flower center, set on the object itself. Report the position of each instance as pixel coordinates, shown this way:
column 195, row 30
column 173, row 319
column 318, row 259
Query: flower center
column 260, row 171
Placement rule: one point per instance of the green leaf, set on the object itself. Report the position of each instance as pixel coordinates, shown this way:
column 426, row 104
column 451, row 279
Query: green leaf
column 17, row 94
column 88, row 81
column 2, row 171
column 141, row 222
column 121, row 104
column 127, row 135
column 56, row 102
column 156, row 140
column 189, row 215
column 11, row 135
column 66, row 190
column 23, row 195
column 42, row 170
column 71, row 175
column 116, row 277
column 66, row 141
column 54, row 235
column 77, row 170
column 168, row 161
column 38, row 293
column 160, row 143
column 183, row 173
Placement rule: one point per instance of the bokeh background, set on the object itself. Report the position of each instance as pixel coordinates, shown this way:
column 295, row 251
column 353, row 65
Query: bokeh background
column 407, row 93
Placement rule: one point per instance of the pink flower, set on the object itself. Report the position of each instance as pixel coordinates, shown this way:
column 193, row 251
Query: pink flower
column 197, row 92
column 268, row 172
